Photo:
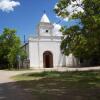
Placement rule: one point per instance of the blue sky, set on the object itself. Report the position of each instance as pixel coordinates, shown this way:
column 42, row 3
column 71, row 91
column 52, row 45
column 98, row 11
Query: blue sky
column 25, row 17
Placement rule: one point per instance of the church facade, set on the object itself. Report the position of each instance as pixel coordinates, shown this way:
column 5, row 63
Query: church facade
column 44, row 49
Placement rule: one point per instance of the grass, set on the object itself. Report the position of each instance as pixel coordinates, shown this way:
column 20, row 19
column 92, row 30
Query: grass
column 35, row 76
column 62, row 85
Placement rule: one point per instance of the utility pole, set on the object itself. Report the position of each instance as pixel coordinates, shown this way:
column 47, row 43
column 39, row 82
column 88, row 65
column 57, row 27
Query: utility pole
column 24, row 39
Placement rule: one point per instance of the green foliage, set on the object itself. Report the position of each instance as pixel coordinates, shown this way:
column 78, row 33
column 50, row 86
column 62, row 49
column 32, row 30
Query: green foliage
column 9, row 48
column 82, row 40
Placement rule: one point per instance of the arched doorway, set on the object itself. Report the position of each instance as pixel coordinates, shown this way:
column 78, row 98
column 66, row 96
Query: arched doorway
column 47, row 59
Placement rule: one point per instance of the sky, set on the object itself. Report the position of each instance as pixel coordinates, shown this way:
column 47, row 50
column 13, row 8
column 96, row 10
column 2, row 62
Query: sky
column 24, row 15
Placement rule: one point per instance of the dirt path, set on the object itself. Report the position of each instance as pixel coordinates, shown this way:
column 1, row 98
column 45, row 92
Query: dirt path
column 9, row 90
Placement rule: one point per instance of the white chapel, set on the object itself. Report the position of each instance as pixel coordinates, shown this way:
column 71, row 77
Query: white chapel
column 44, row 49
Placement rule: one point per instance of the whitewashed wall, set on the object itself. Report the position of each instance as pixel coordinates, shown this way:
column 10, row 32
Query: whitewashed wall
column 38, row 47
column 36, row 50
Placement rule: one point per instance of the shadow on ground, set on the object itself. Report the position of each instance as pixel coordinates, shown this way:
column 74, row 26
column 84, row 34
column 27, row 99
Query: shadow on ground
column 72, row 87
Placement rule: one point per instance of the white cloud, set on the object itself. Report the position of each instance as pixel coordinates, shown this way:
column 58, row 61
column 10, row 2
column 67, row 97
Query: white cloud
column 8, row 5
column 66, row 19
column 75, row 7
column 72, row 8
column 56, row 6
column 56, row 30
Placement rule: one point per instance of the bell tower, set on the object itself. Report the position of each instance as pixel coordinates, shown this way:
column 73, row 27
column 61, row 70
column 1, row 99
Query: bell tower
column 45, row 27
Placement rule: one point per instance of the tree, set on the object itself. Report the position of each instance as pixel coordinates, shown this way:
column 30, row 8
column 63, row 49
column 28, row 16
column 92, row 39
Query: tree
column 10, row 47
column 82, row 40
